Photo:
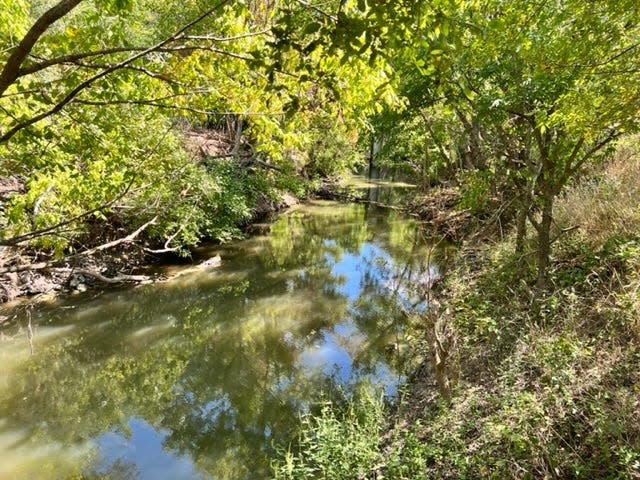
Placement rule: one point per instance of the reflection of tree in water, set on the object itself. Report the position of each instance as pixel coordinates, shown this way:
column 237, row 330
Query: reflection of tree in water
column 120, row 469
column 217, row 363
column 394, row 281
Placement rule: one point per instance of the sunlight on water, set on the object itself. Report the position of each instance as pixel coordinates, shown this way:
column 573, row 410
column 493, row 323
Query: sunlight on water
column 200, row 376
column 26, row 458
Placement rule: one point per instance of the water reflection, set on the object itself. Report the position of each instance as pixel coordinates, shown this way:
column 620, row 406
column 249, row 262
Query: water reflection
column 201, row 376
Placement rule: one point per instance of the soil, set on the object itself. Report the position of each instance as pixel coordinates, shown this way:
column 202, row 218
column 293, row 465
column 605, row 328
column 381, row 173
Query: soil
column 71, row 274
column 127, row 263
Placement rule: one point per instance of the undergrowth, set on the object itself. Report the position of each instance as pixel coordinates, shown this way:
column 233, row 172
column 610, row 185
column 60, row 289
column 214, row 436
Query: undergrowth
column 549, row 386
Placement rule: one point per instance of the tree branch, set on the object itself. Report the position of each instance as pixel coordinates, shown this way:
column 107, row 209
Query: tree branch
column 75, row 57
column 43, row 231
column 128, row 239
column 120, row 278
column 213, row 38
column 52, row 263
column 10, row 71
column 574, row 153
column 157, row 103
column 613, row 134
column 88, row 82
column 317, row 10
column 71, row 58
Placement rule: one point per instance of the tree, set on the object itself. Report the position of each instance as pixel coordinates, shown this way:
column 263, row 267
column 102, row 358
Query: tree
column 541, row 90
column 92, row 104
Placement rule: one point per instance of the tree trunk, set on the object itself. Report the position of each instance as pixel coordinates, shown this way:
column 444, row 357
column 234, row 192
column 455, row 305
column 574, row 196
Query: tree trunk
column 544, row 236
column 521, row 228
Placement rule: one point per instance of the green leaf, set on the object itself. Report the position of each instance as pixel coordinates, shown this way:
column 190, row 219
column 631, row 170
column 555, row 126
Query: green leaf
column 312, row 28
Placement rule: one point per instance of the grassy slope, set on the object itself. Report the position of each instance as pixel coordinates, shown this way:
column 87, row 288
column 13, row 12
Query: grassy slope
column 545, row 388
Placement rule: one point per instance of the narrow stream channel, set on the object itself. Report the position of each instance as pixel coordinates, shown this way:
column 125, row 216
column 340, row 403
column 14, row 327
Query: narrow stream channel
column 199, row 377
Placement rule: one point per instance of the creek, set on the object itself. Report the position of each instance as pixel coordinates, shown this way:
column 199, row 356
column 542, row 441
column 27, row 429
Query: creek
column 203, row 375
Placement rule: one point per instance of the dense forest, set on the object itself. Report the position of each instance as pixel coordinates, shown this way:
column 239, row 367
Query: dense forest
column 133, row 129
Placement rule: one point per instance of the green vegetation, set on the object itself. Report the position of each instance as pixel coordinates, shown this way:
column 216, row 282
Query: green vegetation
column 100, row 100
column 527, row 110
column 544, row 388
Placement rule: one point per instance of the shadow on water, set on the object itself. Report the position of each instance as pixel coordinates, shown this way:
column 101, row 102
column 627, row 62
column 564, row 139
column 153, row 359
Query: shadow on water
column 199, row 377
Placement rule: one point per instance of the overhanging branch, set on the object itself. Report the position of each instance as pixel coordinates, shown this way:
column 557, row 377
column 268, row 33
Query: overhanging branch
column 10, row 71
column 88, row 82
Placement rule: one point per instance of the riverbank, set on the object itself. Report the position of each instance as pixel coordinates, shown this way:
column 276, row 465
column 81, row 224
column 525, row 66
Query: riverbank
column 129, row 260
column 123, row 239
column 542, row 385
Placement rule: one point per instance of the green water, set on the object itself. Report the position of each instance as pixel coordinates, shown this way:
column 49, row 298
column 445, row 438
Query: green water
column 200, row 376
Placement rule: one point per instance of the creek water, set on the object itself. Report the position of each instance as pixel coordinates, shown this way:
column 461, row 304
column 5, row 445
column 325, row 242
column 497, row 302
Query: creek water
column 203, row 375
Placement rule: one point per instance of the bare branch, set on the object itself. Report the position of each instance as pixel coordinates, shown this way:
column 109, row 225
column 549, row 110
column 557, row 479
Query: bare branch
column 317, row 10
column 51, row 264
column 71, row 58
column 149, row 73
column 213, row 38
column 166, row 248
column 157, row 104
column 128, row 239
column 120, row 278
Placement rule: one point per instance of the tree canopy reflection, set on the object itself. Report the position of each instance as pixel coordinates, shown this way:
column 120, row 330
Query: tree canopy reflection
column 218, row 364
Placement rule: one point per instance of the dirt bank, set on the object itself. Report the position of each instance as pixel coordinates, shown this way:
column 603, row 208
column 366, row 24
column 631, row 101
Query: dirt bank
column 25, row 272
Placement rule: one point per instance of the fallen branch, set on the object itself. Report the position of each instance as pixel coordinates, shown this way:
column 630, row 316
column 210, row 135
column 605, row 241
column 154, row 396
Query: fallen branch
column 53, row 263
column 167, row 248
column 128, row 239
column 255, row 161
column 119, row 278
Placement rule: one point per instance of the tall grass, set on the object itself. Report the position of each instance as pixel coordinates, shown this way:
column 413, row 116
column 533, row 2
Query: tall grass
column 606, row 203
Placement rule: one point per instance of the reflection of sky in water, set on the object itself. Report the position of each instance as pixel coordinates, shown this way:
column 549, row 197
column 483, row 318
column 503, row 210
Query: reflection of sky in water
column 331, row 354
column 328, row 356
column 254, row 321
column 142, row 455
column 354, row 269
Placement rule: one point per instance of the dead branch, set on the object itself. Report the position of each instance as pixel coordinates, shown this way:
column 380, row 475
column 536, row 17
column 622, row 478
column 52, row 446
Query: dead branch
column 119, row 278
column 271, row 166
column 128, row 239
column 53, row 263
column 166, row 248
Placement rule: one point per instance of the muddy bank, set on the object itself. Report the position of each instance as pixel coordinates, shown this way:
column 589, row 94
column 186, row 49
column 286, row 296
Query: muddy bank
column 24, row 272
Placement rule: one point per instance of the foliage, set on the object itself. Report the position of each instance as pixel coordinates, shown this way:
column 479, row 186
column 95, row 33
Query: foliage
column 337, row 444
column 89, row 118
column 531, row 100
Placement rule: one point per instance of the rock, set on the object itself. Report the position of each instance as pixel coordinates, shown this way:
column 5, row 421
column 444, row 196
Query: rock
column 289, row 200
column 212, row 262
